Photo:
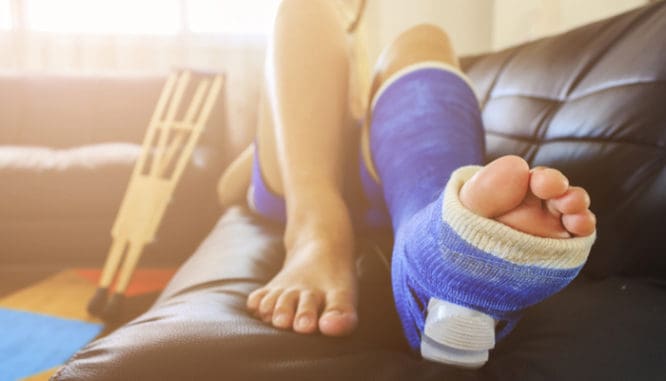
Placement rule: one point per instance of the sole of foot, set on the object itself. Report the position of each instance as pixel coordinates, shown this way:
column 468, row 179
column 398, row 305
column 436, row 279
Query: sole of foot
column 539, row 201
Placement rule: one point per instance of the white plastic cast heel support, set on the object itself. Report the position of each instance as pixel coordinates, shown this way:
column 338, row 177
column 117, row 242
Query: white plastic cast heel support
column 457, row 335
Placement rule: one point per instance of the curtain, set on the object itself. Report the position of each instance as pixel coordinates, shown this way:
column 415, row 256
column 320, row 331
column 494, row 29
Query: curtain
column 24, row 51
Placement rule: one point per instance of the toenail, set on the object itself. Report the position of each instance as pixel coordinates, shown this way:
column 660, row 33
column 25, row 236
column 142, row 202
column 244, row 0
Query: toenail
column 333, row 312
column 281, row 320
column 304, row 321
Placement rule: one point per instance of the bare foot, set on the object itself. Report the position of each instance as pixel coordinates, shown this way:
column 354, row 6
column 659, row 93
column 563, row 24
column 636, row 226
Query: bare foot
column 538, row 201
column 316, row 287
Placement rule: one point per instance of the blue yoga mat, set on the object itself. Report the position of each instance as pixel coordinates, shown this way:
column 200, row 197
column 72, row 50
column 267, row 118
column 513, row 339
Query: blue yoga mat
column 32, row 343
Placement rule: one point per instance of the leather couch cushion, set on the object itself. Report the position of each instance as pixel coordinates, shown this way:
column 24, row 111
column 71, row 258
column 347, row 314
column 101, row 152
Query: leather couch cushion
column 199, row 329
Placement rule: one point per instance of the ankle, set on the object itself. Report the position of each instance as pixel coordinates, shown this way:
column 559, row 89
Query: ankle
column 321, row 219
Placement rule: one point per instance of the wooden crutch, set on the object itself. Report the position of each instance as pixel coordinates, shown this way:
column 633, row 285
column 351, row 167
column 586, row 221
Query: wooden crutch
column 167, row 148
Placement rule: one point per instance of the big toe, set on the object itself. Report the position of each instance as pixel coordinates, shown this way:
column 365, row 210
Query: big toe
column 339, row 317
column 498, row 187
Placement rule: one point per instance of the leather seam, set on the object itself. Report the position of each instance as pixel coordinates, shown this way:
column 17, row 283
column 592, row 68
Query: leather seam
column 533, row 140
column 657, row 82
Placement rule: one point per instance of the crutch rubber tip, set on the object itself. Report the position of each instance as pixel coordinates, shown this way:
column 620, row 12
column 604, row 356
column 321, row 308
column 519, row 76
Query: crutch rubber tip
column 114, row 309
column 98, row 301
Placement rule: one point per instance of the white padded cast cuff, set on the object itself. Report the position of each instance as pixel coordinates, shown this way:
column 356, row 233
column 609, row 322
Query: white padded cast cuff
column 505, row 242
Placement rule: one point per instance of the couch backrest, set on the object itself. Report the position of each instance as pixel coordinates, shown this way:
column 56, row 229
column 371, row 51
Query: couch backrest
column 592, row 102
column 70, row 111
column 61, row 111
column 67, row 148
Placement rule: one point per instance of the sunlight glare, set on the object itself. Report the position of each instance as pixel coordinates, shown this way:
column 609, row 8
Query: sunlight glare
column 104, row 17
column 149, row 16
column 231, row 16
column 5, row 19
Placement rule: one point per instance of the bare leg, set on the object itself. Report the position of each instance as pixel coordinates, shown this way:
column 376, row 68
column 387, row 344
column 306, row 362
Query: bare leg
column 233, row 184
column 300, row 142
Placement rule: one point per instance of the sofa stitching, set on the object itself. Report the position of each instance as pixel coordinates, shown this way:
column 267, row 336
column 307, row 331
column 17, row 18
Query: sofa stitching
column 586, row 140
column 500, row 95
column 498, row 74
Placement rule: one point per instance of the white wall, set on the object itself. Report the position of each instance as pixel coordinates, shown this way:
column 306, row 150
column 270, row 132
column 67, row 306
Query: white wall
column 481, row 25
column 516, row 21
column 469, row 22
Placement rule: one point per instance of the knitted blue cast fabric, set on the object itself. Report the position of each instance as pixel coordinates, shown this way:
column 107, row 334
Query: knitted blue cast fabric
column 425, row 124
column 263, row 200
column 431, row 259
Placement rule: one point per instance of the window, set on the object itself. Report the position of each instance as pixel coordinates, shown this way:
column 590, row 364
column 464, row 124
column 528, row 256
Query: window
column 103, row 17
column 162, row 17
column 5, row 19
column 231, row 16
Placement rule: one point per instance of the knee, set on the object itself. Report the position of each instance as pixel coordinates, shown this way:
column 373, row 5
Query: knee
column 294, row 10
column 423, row 42
column 423, row 34
column 418, row 43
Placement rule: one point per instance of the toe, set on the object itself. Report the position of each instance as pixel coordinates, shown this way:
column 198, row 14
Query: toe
column 285, row 307
column 306, row 312
column 255, row 298
column 340, row 317
column 547, row 183
column 574, row 200
column 580, row 224
column 268, row 304
column 505, row 179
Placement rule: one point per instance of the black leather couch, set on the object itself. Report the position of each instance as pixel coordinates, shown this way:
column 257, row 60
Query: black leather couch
column 591, row 102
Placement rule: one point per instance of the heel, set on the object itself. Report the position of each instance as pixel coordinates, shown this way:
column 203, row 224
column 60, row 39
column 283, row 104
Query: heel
column 457, row 335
